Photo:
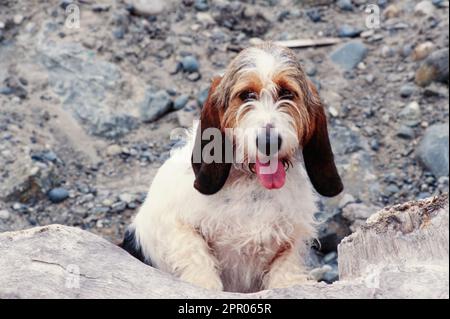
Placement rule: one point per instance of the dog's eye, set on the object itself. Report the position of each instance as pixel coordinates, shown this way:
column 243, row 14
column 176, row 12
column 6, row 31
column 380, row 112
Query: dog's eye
column 285, row 94
column 247, row 96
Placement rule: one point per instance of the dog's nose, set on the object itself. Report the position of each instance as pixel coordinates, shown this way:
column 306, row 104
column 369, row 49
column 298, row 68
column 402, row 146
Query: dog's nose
column 268, row 141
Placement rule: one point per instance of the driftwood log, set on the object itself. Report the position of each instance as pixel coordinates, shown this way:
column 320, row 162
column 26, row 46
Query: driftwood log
column 401, row 252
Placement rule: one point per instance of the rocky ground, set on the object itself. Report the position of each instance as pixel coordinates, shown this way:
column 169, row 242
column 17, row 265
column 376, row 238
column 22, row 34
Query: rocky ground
column 86, row 113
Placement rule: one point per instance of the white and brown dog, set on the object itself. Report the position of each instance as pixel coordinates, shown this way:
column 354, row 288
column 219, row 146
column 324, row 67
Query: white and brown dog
column 228, row 225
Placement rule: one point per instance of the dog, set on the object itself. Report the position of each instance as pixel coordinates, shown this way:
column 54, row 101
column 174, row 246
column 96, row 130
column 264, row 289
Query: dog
column 245, row 224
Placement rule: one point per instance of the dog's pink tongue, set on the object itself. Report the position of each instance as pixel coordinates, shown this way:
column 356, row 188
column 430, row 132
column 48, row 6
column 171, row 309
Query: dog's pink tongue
column 270, row 176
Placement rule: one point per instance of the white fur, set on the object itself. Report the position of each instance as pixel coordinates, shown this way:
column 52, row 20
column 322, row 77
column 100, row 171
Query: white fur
column 226, row 240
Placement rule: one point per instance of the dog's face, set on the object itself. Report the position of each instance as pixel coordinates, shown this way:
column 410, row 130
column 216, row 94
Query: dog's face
column 272, row 111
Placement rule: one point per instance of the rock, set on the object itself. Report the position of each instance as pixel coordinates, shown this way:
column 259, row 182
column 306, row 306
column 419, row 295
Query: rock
column 27, row 183
column 406, row 90
column 434, row 68
column 190, row 64
column 91, row 89
column 57, row 195
column 317, row 274
column 387, row 51
column 147, row 7
column 406, row 132
column 411, row 114
column 433, row 150
column 402, row 252
column 113, row 150
column 424, row 8
column 4, row 215
column 354, row 211
column 194, row 76
column 180, row 102
column 18, row 19
column 422, row 50
column 391, row 11
column 314, row 15
column 247, row 20
column 345, row 5
column 348, row 31
column 201, row 5
column 349, row 55
column 155, row 105
column 202, row 97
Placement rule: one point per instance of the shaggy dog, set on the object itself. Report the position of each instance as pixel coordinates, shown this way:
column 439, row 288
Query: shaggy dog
column 241, row 220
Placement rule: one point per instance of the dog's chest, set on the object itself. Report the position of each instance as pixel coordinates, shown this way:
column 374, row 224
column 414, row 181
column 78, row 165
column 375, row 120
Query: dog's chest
column 246, row 237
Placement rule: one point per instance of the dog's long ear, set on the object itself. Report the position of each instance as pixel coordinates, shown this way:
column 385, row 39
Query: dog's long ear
column 317, row 153
column 210, row 176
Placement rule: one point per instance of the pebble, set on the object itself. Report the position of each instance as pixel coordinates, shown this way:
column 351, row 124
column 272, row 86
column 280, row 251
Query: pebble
column 433, row 150
column 349, row 55
column 118, row 207
column 318, row 273
column 180, row 102
column 190, row 64
column 2, row 25
column 4, row 215
column 406, row 132
column 127, row 198
column 434, row 68
column 201, row 5
column 113, row 150
column 314, row 15
column 348, row 31
column 387, row 51
column 391, row 11
column 422, row 50
column 392, row 189
column 406, row 90
column 155, row 105
column 330, row 257
column 18, row 19
column 345, row 5
column 148, row 7
column 202, row 97
column 57, row 195
column 424, row 8
column 194, row 76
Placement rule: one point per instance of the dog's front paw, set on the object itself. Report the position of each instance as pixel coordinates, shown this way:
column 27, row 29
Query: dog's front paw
column 206, row 280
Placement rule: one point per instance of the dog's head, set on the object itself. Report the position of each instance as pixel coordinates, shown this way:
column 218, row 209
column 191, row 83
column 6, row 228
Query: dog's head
column 266, row 109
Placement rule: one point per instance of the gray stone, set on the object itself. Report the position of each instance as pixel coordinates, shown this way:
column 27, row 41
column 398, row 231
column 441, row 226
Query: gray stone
column 148, row 7
column 190, row 64
column 58, row 195
column 433, row 150
column 4, row 214
column 201, row 5
column 402, row 252
column 406, row 132
column 411, row 114
column 348, row 31
column 406, row 90
column 180, row 102
column 349, row 55
column 155, row 105
column 354, row 211
column 424, row 8
column 345, row 5
column 90, row 88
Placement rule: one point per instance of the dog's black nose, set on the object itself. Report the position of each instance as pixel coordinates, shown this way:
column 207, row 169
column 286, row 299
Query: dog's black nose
column 268, row 141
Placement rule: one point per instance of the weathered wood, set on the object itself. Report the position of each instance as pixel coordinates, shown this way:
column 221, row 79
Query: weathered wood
column 304, row 43
column 402, row 252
